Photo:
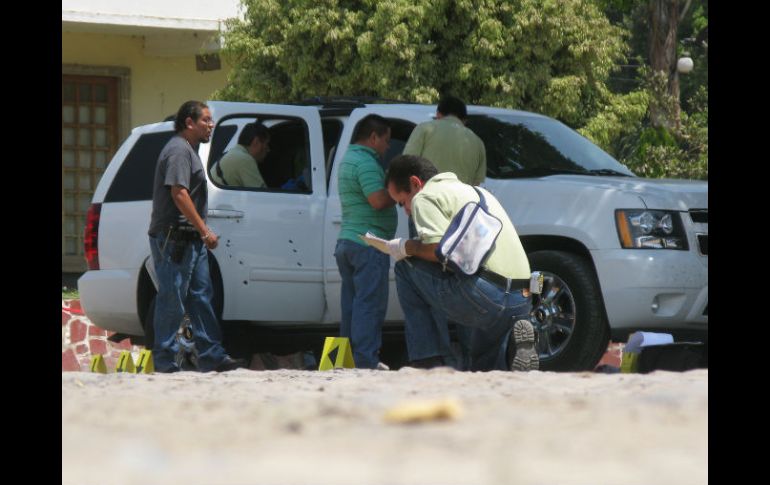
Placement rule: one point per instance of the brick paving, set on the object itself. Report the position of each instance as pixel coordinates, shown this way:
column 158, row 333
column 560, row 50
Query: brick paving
column 80, row 339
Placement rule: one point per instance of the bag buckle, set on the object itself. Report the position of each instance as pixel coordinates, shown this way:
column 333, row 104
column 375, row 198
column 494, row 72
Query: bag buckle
column 536, row 283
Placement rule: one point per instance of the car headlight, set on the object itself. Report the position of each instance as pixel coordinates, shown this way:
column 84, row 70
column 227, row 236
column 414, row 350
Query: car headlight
column 650, row 229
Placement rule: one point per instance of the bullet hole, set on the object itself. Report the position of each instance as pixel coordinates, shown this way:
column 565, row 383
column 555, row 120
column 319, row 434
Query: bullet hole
column 299, row 264
column 245, row 282
column 240, row 262
column 291, row 242
column 294, row 250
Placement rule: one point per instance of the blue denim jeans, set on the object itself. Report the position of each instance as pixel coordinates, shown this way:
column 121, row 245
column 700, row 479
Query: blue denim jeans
column 363, row 299
column 429, row 297
column 184, row 287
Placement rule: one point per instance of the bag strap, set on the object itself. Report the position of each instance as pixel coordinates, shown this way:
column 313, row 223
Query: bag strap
column 482, row 200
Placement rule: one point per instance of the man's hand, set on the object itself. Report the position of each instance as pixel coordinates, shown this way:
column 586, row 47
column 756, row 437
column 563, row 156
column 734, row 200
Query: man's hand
column 397, row 248
column 210, row 239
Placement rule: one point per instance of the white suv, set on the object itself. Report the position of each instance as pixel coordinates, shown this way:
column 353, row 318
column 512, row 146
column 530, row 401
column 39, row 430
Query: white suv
column 620, row 253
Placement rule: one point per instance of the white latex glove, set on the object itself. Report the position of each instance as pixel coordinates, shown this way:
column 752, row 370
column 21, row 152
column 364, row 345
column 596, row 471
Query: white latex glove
column 397, row 248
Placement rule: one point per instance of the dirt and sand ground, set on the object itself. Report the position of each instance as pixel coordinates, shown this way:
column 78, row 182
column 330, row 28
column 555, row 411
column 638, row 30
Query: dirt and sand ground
column 308, row 427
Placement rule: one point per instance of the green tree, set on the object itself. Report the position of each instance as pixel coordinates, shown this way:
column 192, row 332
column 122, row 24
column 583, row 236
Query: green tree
column 642, row 124
column 550, row 56
column 624, row 129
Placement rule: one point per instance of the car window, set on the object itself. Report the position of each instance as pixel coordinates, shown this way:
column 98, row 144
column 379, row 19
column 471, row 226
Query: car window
column 286, row 166
column 525, row 146
column 399, row 134
column 137, row 173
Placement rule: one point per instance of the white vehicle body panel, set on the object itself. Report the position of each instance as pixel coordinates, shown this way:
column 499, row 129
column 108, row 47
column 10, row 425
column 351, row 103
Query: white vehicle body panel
column 276, row 250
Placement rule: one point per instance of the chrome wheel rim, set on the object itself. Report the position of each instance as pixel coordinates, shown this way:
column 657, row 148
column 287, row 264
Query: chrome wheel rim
column 553, row 316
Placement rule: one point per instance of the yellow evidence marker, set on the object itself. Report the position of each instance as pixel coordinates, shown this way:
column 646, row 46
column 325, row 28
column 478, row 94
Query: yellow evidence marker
column 144, row 364
column 98, row 365
column 125, row 363
column 336, row 354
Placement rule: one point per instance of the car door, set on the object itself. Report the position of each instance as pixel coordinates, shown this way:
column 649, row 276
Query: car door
column 403, row 120
column 269, row 250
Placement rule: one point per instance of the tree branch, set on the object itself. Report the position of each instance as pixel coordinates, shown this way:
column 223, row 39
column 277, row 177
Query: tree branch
column 684, row 10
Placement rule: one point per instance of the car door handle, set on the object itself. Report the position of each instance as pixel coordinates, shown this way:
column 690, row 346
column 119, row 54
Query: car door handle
column 225, row 214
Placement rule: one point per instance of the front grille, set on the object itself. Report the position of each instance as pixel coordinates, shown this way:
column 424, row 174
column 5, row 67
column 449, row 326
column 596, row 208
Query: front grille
column 700, row 216
column 703, row 243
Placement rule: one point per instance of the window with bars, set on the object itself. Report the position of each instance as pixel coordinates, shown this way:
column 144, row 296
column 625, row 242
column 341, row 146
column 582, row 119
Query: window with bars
column 89, row 138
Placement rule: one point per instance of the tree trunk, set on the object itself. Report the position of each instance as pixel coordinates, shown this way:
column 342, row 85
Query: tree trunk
column 664, row 23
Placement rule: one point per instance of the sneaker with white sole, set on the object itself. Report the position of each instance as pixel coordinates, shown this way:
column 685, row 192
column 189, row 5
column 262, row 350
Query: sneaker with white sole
column 523, row 340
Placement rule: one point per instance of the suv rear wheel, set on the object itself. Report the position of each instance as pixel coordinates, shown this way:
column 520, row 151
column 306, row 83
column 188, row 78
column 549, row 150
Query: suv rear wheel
column 569, row 315
column 217, row 301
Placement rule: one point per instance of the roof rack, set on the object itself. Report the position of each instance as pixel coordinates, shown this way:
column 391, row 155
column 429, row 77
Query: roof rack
column 347, row 101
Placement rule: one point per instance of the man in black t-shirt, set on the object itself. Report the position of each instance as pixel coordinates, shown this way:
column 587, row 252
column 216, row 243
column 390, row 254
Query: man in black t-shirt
column 179, row 241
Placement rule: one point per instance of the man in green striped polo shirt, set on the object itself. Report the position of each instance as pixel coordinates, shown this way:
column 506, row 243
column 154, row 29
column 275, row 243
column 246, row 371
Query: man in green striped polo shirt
column 366, row 206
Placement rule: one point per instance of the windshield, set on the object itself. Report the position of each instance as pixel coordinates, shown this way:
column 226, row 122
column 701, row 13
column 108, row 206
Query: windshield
column 524, row 146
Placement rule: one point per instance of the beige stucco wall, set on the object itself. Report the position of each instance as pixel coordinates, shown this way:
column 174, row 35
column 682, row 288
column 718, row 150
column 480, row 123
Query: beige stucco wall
column 158, row 85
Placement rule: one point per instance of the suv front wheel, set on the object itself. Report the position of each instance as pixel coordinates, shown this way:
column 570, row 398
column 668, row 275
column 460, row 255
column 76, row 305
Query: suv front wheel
column 569, row 318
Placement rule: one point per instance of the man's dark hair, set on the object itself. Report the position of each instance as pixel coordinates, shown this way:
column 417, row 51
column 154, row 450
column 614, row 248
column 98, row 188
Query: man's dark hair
column 190, row 109
column 449, row 105
column 404, row 166
column 370, row 123
column 251, row 131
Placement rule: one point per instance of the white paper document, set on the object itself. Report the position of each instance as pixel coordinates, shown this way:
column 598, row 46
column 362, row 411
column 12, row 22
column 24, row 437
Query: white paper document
column 637, row 340
column 375, row 242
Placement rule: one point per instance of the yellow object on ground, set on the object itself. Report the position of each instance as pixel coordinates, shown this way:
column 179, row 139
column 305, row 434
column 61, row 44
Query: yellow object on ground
column 629, row 362
column 415, row 411
column 98, row 365
column 144, row 364
column 125, row 363
column 336, row 354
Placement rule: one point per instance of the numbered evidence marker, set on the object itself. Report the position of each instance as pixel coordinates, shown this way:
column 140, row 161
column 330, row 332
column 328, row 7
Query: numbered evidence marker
column 336, row 354
column 125, row 363
column 144, row 363
column 98, row 365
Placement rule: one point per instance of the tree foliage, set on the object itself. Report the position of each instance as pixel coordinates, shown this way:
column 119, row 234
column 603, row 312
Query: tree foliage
column 550, row 56
column 624, row 129
column 556, row 57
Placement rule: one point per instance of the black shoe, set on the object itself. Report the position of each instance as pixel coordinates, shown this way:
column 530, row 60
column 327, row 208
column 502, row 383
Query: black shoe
column 429, row 363
column 228, row 363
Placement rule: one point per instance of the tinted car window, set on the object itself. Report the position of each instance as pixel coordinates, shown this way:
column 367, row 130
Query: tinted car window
column 219, row 140
column 135, row 177
column 519, row 146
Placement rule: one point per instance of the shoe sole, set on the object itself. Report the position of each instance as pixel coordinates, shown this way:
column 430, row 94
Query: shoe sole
column 526, row 358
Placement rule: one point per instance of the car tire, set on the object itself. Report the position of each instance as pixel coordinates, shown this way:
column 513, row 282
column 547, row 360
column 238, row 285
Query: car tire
column 569, row 316
column 217, row 302
column 149, row 325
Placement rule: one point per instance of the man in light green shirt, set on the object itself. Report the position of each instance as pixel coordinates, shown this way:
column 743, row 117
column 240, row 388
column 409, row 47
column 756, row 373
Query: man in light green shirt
column 494, row 302
column 451, row 147
column 239, row 166
column 448, row 144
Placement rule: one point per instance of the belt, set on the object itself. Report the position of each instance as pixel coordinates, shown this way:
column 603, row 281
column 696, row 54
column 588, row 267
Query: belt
column 184, row 233
column 502, row 281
